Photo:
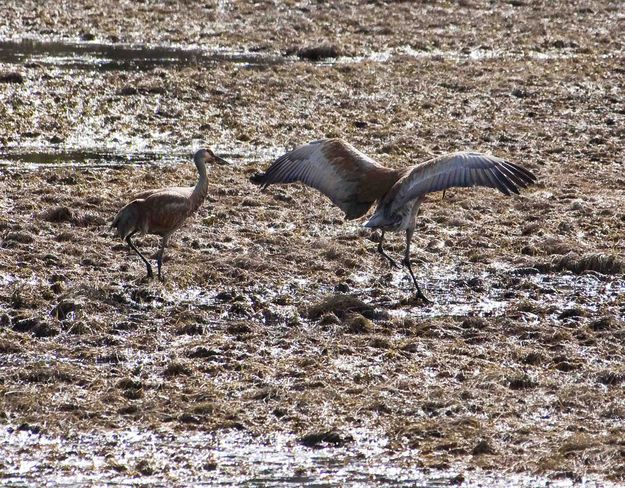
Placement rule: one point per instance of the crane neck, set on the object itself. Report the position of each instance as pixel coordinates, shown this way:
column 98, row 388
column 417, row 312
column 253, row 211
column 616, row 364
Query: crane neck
column 201, row 187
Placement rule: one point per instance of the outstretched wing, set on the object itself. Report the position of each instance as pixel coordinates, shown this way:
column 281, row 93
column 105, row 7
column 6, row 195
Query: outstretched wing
column 351, row 179
column 462, row 169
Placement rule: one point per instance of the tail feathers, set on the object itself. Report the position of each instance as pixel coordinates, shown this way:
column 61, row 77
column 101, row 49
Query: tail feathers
column 371, row 223
column 127, row 220
column 378, row 220
column 115, row 221
column 354, row 210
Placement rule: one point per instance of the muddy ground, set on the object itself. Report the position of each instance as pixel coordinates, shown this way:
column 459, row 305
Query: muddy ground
column 278, row 319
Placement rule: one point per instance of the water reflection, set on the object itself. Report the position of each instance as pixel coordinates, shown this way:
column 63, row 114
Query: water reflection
column 104, row 157
column 123, row 57
column 106, row 57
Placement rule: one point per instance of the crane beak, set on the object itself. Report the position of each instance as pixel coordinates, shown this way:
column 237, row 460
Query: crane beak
column 221, row 160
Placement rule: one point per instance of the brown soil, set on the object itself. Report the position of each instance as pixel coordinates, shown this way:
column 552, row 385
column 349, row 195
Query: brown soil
column 278, row 316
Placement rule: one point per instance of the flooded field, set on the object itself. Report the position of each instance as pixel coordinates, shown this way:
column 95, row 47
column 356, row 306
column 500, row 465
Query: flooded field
column 281, row 349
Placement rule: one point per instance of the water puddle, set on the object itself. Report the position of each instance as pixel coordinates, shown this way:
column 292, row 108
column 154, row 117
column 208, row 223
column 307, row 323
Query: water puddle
column 590, row 292
column 476, row 55
column 128, row 457
column 103, row 157
column 459, row 293
column 83, row 55
column 135, row 457
column 92, row 158
column 482, row 54
column 452, row 294
column 108, row 57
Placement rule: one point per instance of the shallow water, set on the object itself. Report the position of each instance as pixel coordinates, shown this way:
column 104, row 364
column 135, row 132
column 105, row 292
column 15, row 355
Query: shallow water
column 447, row 287
column 95, row 157
column 451, row 297
column 217, row 459
column 106, row 57
column 87, row 146
column 135, row 457
column 89, row 55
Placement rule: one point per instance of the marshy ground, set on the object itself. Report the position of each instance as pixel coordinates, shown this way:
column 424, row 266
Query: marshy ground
column 281, row 346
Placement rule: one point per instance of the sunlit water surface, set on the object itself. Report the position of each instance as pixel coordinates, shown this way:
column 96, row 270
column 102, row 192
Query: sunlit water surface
column 137, row 457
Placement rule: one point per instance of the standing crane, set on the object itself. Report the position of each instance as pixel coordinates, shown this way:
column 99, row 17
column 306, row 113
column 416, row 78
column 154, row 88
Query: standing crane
column 161, row 212
column 354, row 182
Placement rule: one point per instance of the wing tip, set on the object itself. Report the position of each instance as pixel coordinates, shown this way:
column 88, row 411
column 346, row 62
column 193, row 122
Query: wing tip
column 526, row 176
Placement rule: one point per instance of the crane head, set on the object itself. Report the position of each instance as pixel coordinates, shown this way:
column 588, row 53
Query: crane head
column 207, row 156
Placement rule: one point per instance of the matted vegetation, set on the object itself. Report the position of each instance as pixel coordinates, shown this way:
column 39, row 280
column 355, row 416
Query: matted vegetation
column 276, row 316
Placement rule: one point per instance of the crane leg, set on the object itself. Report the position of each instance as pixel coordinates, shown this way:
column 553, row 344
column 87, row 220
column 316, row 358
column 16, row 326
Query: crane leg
column 406, row 262
column 383, row 253
column 131, row 244
column 159, row 257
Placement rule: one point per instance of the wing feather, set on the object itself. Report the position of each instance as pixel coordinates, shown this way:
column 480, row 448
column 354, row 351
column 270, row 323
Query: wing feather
column 511, row 175
column 310, row 174
column 457, row 176
column 463, row 169
column 466, row 177
column 519, row 174
column 351, row 179
column 486, row 178
column 501, row 186
column 520, row 171
column 443, row 180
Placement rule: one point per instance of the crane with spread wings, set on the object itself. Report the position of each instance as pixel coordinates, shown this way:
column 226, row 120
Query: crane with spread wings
column 354, row 182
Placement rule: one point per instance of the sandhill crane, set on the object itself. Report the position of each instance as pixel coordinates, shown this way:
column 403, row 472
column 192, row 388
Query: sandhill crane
column 353, row 182
column 161, row 212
